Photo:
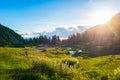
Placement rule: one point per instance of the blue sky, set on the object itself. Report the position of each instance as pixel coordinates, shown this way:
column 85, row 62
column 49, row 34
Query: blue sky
column 46, row 15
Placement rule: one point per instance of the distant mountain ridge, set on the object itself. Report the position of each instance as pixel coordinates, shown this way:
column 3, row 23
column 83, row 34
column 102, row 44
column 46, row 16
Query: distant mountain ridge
column 60, row 31
column 8, row 37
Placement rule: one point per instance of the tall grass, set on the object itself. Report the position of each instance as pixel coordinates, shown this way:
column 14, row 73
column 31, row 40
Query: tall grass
column 48, row 65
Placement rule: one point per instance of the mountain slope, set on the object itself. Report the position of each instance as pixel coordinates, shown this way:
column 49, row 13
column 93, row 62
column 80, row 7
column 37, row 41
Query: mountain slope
column 105, row 39
column 8, row 37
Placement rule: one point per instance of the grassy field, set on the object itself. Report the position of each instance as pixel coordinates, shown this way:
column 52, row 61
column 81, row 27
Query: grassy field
column 54, row 64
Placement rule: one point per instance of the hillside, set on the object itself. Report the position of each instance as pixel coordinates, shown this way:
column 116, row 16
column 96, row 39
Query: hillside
column 105, row 38
column 8, row 37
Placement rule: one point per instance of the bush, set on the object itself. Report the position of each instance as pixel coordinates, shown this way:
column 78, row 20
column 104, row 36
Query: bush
column 44, row 67
column 71, row 62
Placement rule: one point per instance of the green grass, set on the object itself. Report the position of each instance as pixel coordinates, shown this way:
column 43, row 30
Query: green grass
column 54, row 64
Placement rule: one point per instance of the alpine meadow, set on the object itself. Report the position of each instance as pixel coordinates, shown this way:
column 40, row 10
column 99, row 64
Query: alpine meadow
column 60, row 40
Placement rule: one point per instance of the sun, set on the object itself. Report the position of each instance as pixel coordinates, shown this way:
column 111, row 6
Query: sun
column 101, row 16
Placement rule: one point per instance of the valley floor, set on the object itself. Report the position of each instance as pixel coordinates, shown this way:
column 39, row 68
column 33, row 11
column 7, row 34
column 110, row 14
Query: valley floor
column 54, row 64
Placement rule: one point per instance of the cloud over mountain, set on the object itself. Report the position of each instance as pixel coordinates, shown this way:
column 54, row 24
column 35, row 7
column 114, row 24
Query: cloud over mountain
column 60, row 31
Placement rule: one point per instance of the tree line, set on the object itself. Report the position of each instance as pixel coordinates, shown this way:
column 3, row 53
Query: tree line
column 42, row 39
